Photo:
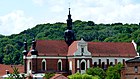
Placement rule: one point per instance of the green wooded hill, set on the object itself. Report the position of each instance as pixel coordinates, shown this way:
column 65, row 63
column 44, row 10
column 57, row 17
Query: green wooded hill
column 11, row 47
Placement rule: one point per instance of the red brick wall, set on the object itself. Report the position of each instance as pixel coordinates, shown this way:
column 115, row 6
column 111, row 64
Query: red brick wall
column 51, row 65
column 129, row 73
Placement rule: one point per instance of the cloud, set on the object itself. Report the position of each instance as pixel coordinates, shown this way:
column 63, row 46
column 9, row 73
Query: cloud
column 15, row 22
column 107, row 11
column 51, row 11
column 39, row 2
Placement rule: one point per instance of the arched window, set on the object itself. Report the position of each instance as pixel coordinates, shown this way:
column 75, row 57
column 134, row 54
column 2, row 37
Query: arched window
column 83, row 66
column 30, row 66
column 43, row 64
column 103, row 65
column 111, row 63
column 99, row 62
column 59, row 65
column 95, row 64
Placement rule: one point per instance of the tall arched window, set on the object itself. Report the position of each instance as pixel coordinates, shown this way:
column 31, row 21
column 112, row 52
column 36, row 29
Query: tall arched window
column 30, row 66
column 43, row 64
column 83, row 66
column 111, row 63
column 95, row 64
column 59, row 65
column 103, row 65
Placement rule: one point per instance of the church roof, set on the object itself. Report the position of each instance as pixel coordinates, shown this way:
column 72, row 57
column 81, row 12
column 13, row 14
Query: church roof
column 112, row 49
column 109, row 49
column 115, row 49
column 51, row 47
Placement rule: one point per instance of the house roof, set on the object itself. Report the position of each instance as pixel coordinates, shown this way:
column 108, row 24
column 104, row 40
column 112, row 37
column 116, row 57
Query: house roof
column 134, row 60
column 51, row 48
column 3, row 69
column 60, row 48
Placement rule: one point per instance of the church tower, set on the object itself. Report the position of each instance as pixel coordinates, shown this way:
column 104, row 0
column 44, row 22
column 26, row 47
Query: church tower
column 69, row 33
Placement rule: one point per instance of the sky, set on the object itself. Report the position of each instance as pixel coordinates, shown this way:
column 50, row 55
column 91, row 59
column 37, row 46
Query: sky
column 19, row 15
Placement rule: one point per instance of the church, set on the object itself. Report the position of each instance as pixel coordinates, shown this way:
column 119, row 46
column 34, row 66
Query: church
column 70, row 55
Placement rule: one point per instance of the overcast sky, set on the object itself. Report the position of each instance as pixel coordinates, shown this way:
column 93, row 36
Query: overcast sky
column 19, row 15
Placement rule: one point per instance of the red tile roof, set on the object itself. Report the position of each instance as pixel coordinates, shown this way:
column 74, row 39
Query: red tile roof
column 72, row 48
column 60, row 48
column 51, row 47
column 115, row 49
column 3, row 69
column 112, row 49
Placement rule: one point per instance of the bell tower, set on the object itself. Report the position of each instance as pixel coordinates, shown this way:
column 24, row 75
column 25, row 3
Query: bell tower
column 69, row 33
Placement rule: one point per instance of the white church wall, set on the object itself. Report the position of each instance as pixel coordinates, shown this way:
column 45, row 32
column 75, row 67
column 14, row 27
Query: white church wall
column 82, row 45
column 111, row 59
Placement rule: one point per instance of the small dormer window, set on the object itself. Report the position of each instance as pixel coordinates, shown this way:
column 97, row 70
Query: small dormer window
column 136, row 69
column 82, row 50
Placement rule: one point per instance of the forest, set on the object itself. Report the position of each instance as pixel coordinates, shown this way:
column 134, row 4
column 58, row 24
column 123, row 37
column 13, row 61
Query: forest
column 11, row 47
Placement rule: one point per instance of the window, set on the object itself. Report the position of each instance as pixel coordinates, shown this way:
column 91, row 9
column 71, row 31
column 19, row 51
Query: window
column 107, row 62
column 83, row 66
column 95, row 64
column 123, row 61
column 103, row 65
column 30, row 66
column 111, row 63
column 43, row 65
column 99, row 62
column 82, row 50
column 136, row 69
column 59, row 65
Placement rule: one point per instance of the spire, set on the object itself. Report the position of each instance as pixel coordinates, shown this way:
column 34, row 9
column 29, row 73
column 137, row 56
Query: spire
column 69, row 21
column 69, row 11
column 34, row 51
column 69, row 33
column 25, row 51
column 33, row 43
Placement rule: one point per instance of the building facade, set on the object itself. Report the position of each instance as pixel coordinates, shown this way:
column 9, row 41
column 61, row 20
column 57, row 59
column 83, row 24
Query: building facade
column 71, row 56
column 131, row 69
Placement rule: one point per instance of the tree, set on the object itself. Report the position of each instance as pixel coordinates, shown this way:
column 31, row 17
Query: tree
column 11, row 55
column 82, row 76
column 48, row 75
column 96, row 72
column 16, row 74
column 114, row 72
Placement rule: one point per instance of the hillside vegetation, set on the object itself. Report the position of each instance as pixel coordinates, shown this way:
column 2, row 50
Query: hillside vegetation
column 11, row 47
